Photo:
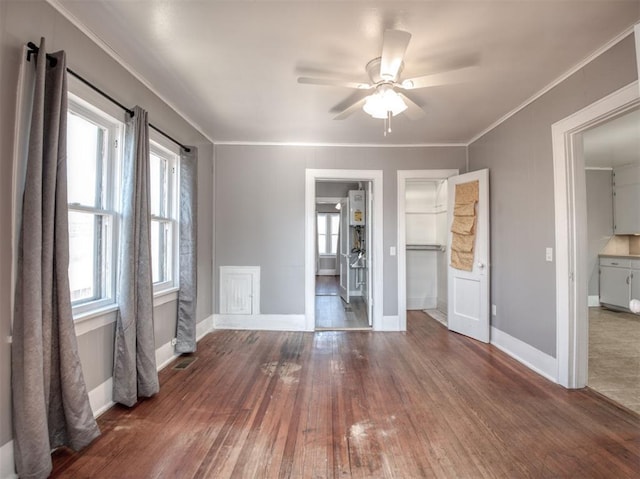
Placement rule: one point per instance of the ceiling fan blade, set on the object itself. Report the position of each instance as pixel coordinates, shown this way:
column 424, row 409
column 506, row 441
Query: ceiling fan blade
column 450, row 77
column 332, row 82
column 414, row 111
column 394, row 44
column 354, row 97
column 350, row 109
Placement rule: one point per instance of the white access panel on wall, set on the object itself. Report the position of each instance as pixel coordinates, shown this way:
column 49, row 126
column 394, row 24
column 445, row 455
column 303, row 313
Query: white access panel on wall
column 239, row 289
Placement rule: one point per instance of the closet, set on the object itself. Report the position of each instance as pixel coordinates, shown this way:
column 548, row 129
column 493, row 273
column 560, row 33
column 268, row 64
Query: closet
column 426, row 239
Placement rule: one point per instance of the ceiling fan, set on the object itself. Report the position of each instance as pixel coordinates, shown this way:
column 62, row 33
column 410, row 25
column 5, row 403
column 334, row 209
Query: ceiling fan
column 390, row 94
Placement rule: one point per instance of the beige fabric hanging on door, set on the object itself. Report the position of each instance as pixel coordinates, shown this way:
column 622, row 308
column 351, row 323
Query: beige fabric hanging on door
column 463, row 226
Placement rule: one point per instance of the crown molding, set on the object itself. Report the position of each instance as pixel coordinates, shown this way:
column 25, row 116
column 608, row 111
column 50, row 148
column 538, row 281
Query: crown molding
column 342, row 145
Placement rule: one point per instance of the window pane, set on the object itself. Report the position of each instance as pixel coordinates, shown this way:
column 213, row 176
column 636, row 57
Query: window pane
column 83, row 251
column 322, row 224
column 85, row 149
column 161, row 251
column 335, row 223
column 334, row 244
column 322, row 244
column 157, row 262
column 159, row 176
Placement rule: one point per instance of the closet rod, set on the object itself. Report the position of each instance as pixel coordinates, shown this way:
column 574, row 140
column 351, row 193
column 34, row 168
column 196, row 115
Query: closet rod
column 34, row 49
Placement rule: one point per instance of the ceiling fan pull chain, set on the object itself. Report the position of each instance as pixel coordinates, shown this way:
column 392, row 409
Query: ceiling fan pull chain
column 389, row 115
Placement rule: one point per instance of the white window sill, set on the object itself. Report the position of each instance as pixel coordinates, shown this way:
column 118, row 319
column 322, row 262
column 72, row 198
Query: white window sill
column 100, row 317
column 95, row 319
column 165, row 296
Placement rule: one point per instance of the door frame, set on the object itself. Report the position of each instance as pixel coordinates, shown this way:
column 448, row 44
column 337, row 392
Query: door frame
column 403, row 176
column 572, row 326
column 376, row 289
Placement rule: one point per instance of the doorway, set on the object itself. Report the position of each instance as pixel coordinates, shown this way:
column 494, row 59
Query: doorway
column 572, row 272
column 342, row 240
column 422, row 240
column 362, row 269
column 612, row 170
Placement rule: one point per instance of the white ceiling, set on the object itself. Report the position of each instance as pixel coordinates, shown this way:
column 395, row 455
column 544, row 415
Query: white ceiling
column 231, row 66
column 614, row 143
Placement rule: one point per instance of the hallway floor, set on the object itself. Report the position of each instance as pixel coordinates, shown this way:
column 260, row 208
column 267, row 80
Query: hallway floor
column 332, row 313
column 614, row 356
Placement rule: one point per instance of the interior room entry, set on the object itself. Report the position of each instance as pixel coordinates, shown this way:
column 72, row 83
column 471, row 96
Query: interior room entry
column 343, row 273
column 611, row 152
column 445, row 215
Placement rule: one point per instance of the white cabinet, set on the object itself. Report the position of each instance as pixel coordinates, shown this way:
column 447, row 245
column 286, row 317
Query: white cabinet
column 626, row 198
column 619, row 281
column 635, row 279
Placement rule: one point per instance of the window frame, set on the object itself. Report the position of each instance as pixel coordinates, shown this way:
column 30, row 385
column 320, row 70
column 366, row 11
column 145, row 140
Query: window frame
column 329, row 233
column 163, row 148
column 112, row 160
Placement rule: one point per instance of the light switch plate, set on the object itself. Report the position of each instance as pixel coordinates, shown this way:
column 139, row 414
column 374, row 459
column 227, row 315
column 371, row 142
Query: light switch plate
column 392, row 251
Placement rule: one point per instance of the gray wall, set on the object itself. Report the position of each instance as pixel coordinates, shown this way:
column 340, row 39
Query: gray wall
column 519, row 155
column 249, row 231
column 599, row 221
column 23, row 21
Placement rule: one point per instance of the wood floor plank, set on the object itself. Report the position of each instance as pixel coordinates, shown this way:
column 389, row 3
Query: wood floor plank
column 425, row 403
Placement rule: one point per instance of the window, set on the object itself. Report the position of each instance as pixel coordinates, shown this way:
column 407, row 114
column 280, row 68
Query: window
column 163, row 175
column 92, row 161
column 328, row 227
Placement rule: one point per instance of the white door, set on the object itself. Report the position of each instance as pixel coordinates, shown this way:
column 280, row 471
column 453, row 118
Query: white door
column 344, row 250
column 468, row 291
column 369, row 252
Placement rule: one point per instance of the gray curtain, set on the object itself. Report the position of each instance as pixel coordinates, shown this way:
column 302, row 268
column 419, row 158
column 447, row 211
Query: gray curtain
column 134, row 370
column 186, row 326
column 50, row 402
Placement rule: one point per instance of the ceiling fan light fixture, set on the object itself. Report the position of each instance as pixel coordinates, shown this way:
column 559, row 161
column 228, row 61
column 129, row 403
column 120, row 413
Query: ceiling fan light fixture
column 383, row 101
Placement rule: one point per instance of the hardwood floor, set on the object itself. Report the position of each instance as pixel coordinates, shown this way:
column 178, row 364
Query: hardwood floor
column 425, row 403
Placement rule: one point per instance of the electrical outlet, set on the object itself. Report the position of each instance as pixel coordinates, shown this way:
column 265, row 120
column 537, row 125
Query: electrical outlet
column 549, row 254
column 174, row 341
column 493, row 310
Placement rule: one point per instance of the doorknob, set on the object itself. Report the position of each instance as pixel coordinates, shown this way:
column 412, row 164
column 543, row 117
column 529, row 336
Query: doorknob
column 480, row 264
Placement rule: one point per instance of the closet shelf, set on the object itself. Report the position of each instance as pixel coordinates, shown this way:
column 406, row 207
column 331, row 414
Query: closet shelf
column 425, row 247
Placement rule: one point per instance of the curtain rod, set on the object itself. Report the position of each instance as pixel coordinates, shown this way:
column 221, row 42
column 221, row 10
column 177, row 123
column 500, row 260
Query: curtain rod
column 34, row 49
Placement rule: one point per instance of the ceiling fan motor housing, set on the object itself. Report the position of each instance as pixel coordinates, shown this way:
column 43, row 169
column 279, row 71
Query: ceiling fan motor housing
column 373, row 70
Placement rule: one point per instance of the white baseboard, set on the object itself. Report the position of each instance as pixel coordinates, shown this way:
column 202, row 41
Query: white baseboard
column 593, row 301
column 355, row 293
column 442, row 306
column 420, row 303
column 263, row 322
column 7, row 466
column 326, row 272
column 204, row 327
column 389, row 323
column 531, row 357
column 164, row 355
column 101, row 397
